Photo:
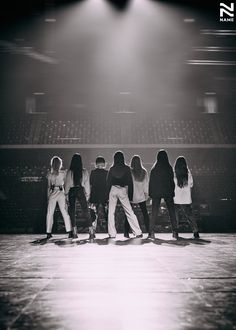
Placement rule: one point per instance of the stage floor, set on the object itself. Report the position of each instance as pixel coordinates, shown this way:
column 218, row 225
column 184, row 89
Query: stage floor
column 118, row 284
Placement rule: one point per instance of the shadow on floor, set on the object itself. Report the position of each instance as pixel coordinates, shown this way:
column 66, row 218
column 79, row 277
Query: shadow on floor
column 199, row 241
column 65, row 242
column 180, row 242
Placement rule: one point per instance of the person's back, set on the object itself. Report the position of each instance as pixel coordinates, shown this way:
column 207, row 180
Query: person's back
column 120, row 175
column 98, row 179
column 140, row 180
column 56, row 179
column 183, row 194
column 161, row 185
column 140, row 189
column 98, row 185
column 161, row 182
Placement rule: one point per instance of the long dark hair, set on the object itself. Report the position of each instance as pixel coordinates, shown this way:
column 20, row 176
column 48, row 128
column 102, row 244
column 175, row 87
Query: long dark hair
column 137, row 169
column 76, row 168
column 162, row 160
column 181, row 171
column 119, row 158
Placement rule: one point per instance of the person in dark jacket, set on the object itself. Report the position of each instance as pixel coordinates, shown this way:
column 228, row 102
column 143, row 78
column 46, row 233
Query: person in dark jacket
column 120, row 187
column 98, row 197
column 161, row 185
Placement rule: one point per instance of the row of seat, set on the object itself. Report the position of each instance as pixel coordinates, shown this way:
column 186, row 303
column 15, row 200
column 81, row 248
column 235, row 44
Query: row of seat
column 15, row 130
column 22, row 172
column 43, row 130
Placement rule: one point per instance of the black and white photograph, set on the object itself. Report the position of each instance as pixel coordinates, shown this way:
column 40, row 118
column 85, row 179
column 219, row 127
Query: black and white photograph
column 118, row 165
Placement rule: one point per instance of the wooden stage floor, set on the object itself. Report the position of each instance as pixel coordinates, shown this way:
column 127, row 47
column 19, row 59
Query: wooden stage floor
column 118, row 284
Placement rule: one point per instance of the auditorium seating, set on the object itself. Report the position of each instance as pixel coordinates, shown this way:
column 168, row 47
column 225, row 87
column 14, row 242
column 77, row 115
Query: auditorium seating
column 24, row 181
column 36, row 173
column 80, row 131
column 23, row 171
column 15, row 130
column 123, row 130
column 27, row 197
column 211, row 181
column 147, row 131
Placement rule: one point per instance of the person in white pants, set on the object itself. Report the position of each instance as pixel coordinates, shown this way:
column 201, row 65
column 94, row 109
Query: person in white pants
column 120, row 187
column 56, row 195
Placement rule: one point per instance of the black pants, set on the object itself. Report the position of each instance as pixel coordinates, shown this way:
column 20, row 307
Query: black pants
column 103, row 207
column 77, row 193
column 146, row 219
column 171, row 209
column 185, row 210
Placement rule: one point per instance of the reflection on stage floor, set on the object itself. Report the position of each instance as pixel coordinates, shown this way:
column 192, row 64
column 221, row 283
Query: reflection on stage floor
column 118, row 284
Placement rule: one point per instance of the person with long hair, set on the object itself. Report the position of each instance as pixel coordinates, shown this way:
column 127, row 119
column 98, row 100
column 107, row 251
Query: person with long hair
column 77, row 187
column 140, row 194
column 183, row 200
column 161, row 185
column 56, row 194
column 120, row 187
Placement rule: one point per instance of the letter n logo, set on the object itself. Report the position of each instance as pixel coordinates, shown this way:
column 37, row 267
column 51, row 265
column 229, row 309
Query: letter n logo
column 228, row 10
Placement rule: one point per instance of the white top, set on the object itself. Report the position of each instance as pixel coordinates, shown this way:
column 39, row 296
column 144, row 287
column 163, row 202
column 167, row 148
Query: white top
column 84, row 183
column 56, row 180
column 140, row 193
column 183, row 195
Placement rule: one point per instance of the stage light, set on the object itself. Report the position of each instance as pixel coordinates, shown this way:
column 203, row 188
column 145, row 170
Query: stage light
column 120, row 5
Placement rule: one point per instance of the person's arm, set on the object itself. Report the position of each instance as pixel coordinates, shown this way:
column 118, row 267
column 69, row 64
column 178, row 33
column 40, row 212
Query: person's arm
column 190, row 179
column 91, row 179
column 49, row 184
column 172, row 179
column 86, row 184
column 105, row 187
column 91, row 182
column 68, row 181
column 108, row 184
column 64, row 178
column 130, row 184
column 150, row 186
column 145, row 185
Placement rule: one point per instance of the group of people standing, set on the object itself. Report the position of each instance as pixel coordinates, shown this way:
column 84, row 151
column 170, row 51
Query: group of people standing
column 128, row 184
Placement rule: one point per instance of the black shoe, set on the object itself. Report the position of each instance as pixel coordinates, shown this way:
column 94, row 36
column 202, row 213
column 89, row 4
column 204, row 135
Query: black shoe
column 70, row 234
column 126, row 235
column 74, row 232
column 196, row 235
column 175, row 235
column 49, row 235
column 139, row 236
column 151, row 235
column 91, row 237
